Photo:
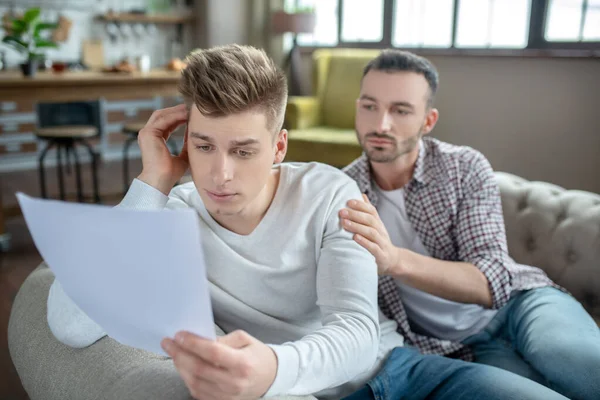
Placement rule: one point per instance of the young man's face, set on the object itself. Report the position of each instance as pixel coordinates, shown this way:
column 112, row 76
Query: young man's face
column 392, row 114
column 231, row 158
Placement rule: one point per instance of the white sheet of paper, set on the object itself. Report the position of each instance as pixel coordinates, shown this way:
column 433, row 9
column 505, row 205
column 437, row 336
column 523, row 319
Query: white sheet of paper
column 140, row 275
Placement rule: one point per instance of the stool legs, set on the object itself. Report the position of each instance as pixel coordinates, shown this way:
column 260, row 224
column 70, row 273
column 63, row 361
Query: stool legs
column 95, row 175
column 68, row 146
column 128, row 143
column 77, row 175
column 49, row 145
column 59, row 170
column 94, row 170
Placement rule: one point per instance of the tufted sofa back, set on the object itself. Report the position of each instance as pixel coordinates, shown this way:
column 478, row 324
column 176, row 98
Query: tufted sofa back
column 557, row 230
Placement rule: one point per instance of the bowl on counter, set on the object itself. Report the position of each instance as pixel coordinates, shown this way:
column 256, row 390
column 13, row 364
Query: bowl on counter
column 59, row 67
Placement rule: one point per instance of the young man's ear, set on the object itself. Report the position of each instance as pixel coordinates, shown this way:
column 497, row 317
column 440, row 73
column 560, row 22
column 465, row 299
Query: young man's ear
column 430, row 120
column 281, row 143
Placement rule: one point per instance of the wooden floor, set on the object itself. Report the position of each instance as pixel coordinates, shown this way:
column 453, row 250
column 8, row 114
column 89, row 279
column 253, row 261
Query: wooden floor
column 22, row 257
column 15, row 265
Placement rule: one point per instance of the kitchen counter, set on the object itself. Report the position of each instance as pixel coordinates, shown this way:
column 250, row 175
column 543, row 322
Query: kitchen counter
column 16, row 78
column 82, row 85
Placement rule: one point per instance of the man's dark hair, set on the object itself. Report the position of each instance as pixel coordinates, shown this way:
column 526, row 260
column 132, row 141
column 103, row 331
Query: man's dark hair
column 393, row 60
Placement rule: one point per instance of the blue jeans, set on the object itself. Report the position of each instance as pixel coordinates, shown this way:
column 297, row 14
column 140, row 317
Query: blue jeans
column 546, row 327
column 410, row 375
column 547, row 336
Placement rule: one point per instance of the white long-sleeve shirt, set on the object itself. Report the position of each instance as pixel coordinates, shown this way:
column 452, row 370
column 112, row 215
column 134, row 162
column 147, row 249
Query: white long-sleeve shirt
column 298, row 283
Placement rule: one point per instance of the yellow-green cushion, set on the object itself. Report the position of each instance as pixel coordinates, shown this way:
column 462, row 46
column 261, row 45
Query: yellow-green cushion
column 302, row 112
column 341, row 88
column 337, row 147
column 325, row 134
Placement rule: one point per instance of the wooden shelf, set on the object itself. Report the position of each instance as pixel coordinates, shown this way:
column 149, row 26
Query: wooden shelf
column 147, row 18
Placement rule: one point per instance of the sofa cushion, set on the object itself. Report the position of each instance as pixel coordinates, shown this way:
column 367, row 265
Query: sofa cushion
column 337, row 147
column 106, row 370
column 342, row 85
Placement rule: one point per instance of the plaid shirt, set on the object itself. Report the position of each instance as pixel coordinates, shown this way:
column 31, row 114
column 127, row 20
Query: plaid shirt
column 453, row 203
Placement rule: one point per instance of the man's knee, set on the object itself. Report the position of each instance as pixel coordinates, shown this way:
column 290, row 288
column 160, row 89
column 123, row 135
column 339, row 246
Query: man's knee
column 582, row 355
column 582, row 368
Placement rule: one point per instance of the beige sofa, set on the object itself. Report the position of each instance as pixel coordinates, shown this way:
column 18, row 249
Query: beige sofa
column 546, row 226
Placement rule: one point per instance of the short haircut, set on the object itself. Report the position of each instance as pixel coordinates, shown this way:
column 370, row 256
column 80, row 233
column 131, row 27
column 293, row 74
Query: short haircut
column 394, row 60
column 230, row 79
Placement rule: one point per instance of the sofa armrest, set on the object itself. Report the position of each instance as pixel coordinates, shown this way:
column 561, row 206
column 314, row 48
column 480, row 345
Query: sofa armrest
column 302, row 112
column 556, row 230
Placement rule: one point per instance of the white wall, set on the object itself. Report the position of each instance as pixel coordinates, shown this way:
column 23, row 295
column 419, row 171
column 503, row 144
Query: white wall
column 227, row 22
column 238, row 21
column 535, row 117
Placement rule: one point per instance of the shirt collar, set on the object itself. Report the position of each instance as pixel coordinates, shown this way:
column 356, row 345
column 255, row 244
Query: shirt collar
column 424, row 169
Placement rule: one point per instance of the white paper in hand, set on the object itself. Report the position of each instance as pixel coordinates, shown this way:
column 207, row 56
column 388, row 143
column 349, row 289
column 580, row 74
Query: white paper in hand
column 140, row 275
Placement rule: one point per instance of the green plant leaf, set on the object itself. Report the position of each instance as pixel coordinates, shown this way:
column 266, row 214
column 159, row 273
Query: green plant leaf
column 15, row 42
column 31, row 15
column 45, row 25
column 37, row 30
column 18, row 27
column 42, row 43
column 35, row 56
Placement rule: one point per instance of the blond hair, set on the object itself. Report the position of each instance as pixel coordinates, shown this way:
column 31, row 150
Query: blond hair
column 230, row 79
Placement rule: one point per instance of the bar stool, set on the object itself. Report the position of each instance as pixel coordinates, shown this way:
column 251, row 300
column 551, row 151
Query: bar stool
column 68, row 126
column 132, row 130
column 66, row 138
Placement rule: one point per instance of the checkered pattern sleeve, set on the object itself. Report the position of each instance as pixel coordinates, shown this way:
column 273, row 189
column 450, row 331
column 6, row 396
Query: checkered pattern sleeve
column 479, row 226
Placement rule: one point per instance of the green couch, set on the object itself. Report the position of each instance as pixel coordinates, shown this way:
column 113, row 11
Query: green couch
column 321, row 127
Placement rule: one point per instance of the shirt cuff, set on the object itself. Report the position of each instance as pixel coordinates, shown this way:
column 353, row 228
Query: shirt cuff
column 142, row 196
column 288, row 366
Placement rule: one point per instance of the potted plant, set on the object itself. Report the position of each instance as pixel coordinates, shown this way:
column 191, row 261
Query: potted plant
column 25, row 35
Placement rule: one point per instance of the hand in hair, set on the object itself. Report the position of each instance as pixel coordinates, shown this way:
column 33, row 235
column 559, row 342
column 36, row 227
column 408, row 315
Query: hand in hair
column 235, row 366
column 160, row 168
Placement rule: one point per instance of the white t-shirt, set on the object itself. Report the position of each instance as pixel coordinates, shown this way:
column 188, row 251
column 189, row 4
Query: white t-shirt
column 428, row 314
